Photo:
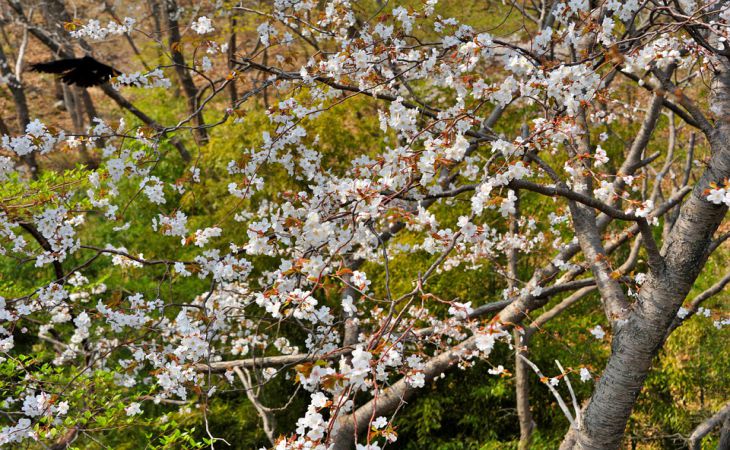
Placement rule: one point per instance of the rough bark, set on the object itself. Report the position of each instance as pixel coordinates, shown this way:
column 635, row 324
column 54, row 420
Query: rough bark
column 638, row 339
column 614, row 301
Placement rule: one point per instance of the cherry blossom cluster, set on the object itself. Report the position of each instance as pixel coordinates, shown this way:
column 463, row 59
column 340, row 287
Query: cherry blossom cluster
column 333, row 227
column 96, row 32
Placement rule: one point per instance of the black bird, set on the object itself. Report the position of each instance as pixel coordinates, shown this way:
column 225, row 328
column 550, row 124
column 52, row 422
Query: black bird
column 84, row 72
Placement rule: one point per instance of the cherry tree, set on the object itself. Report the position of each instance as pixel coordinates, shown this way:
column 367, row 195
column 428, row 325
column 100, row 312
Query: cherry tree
column 548, row 197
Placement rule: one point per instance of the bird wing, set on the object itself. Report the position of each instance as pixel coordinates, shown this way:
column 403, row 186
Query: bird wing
column 84, row 72
column 80, row 77
column 101, row 68
column 58, row 66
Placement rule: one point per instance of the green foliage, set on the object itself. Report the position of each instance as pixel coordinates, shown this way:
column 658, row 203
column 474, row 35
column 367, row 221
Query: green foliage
column 464, row 410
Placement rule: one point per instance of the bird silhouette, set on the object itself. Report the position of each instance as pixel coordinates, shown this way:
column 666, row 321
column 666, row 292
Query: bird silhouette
column 84, row 72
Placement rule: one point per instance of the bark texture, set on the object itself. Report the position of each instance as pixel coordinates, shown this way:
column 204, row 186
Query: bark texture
column 638, row 339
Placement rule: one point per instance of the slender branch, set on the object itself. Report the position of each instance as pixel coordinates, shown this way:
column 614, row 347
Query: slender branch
column 264, row 413
column 697, row 302
column 552, row 389
column 684, row 115
column 685, row 101
column 267, row 361
column 656, row 261
column 246, row 62
column 45, row 245
column 557, row 310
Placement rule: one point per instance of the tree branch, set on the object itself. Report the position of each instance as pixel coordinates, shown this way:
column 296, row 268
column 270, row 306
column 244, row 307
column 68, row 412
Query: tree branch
column 695, row 439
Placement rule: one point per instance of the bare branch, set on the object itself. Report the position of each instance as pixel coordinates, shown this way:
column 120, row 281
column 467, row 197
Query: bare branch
column 695, row 439
column 697, row 302
column 264, row 413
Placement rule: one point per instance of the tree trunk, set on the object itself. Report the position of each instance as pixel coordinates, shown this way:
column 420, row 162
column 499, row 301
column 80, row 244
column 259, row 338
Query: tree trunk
column 721, row 417
column 186, row 80
column 640, row 335
column 725, row 435
column 522, row 382
column 638, row 339
column 232, row 92
column 156, row 14
column 22, row 114
column 522, row 391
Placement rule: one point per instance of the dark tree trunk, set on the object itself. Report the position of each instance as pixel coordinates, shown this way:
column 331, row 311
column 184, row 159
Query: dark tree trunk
column 232, row 92
column 186, row 80
column 22, row 114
